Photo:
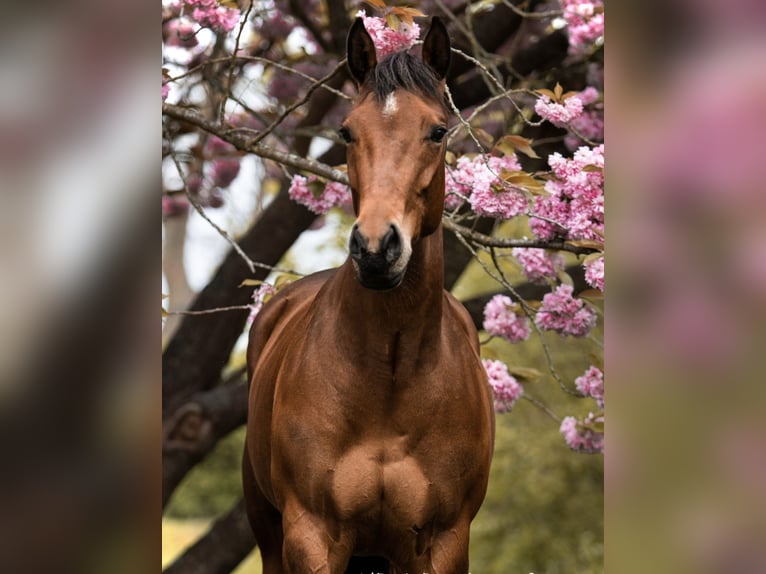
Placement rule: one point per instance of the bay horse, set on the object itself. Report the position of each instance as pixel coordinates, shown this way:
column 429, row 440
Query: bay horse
column 370, row 426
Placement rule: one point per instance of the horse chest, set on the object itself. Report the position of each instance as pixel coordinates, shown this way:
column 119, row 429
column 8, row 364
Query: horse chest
column 372, row 481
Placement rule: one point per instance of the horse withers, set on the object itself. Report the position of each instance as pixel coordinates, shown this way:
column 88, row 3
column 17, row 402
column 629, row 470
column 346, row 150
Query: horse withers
column 370, row 426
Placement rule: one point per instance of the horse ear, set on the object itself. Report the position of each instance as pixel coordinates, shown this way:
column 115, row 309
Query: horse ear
column 360, row 52
column 436, row 48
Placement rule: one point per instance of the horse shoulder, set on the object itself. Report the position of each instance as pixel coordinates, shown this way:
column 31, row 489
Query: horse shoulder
column 282, row 309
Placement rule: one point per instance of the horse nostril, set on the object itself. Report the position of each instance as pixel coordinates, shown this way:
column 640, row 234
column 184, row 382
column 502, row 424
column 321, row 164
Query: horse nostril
column 391, row 244
column 357, row 244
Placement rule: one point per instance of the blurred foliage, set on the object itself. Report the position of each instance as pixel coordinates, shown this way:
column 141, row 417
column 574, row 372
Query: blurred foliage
column 212, row 487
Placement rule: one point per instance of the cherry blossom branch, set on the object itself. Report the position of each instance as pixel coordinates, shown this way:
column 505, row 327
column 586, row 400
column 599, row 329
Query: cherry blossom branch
column 507, row 242
column 230, row 81
column 532, row 15
column 299, row 103
column 540, row 405
column 209, row 311
column 260, row 60
column 528, row 312
column 245, row 144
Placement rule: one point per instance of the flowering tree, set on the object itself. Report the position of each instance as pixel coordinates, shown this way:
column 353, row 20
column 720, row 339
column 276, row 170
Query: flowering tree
column 266, row 82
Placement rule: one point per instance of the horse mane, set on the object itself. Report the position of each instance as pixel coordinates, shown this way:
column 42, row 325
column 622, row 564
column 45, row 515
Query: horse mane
column 405, row 71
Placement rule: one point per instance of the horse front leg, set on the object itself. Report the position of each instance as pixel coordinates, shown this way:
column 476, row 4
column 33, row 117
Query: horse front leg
column 308, row 547
column 448, row 553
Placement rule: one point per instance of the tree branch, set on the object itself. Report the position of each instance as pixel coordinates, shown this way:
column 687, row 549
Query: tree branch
column 221, row 549
column 194, row 428
column 508, row 242
column 243, row 143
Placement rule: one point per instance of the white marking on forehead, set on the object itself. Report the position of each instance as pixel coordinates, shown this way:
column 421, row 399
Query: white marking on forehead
column 391, row 105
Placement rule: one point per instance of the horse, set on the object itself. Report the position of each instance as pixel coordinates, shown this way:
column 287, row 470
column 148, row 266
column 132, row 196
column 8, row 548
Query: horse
column 370, row 425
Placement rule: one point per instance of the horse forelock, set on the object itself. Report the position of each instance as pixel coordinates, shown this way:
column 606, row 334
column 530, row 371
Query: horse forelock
column 401, row 70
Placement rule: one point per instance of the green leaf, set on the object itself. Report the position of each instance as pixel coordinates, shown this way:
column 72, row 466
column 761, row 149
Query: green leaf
column 380, row 4
column 527, row 373
column 565, row 278
column 587, row 243
column 558, row 92
column 484, row 137
column 251, row 283
column 590, row 168
column 316, row 188
column 406, row 14
column 592, row 257
column 544, row 92
column 393, row 21
column 509, row 144
column 594, row 294
column 524, row 180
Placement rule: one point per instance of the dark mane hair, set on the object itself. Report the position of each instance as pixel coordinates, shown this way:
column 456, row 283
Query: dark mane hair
column 402, row 70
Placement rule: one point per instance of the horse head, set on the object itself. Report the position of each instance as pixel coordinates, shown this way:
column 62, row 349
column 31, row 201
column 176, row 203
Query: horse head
column 395, row 135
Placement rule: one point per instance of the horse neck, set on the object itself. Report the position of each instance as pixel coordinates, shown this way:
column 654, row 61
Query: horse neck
column 416, row 304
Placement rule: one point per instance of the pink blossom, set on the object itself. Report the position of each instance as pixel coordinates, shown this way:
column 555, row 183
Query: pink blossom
column 591, row 384
column 502, row 320
column 538, row 264
column 207, row 13
column 309, row 192
column 575, row 199
column 180, row 33
column 224, row 171
column 505, row 387
column 562, row 313
column 580, row 437
column 259, row 296
column 174, row 205
column 215, row 146
column 477, row 179
column 585, row 21
column 590, row 124
column 387, row 40
column 559, row 114
column 589, row 96
column 165, row 91
column 594, row 273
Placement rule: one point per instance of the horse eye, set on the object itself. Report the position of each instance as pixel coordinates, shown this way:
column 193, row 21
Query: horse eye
column 345, row 134
column 437, row 134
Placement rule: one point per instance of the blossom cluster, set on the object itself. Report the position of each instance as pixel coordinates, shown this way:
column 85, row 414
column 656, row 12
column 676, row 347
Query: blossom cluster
column 590, row 124
column 573, row 207
column 180, row 33
column 209, row 14
column 174, row 205
column 259, row 297
column 580, row 436
column 559, row 114
column 501, row 319
column 539, row 264
column 224, row 166
column 594, row 273
column 478, row 179
column 562, row 313
column 387, row 40
column 505, row 387
column 591, row 384
column 585, row 21
column 308, row 192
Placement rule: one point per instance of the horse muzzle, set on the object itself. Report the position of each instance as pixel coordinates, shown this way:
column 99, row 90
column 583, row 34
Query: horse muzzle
column 383, row 267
